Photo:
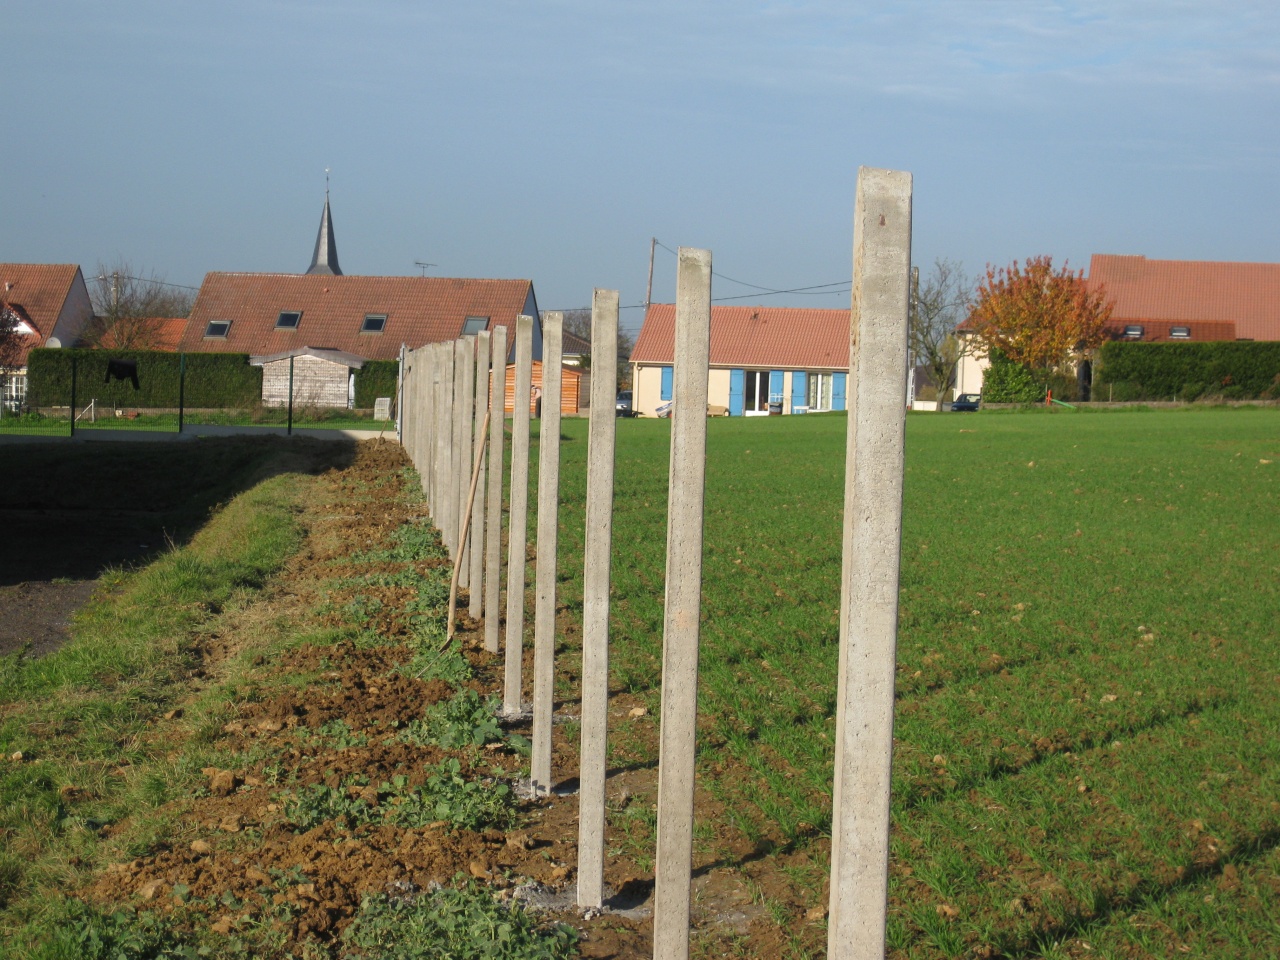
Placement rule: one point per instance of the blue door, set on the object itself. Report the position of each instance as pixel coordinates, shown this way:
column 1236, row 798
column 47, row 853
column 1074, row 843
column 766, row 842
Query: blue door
column 799, row 383
column 736, row 384
column 837, row 390
column 667, row 373
column 775, row 386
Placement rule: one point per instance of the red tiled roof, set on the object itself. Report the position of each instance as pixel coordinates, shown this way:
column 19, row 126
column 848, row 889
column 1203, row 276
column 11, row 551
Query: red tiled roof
column 37, row 292
column 1247, row 294
column 794, row 338
column 163, row 333
column 419, row 310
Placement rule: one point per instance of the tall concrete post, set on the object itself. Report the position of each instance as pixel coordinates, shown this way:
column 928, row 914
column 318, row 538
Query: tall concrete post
column 444, row 439
column 475, row 547
column 872, row 548
column 518, row 528
column 680, row 634
column 466, row 365
column 459, row 425
column 544, row 615
column 595, row 599
column 493, row 528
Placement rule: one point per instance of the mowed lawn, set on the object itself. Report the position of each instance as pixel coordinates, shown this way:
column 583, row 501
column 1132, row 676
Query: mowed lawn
column 1088, row 712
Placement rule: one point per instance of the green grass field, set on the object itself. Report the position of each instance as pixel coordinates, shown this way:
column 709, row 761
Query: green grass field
column 1088, row 710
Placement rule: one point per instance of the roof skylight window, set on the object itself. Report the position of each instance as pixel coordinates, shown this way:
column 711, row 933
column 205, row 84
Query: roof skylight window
column 1133, row 331
column 217, row 329
column 1180, row 333
column 288, row 319
column 474, row 325
column 373, row 323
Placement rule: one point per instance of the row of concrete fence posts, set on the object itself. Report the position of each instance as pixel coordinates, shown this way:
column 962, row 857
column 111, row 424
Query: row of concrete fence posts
column 444, row 442
column 871, row 557
column 493, row 530
column 475, row 545
column 680, row 635
column 598, row 541
column 518, row 529
column 544, row 616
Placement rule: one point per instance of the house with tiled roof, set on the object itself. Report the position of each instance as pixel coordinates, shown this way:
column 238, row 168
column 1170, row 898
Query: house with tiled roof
column 790, row 359
column 1174, row 301
column 44, row 304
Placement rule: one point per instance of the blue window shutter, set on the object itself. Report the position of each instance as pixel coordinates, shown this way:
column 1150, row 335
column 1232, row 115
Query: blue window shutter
column 666, row 383
column 837, row 390
column 799, row 383
column 737, row 383
column 775, row 386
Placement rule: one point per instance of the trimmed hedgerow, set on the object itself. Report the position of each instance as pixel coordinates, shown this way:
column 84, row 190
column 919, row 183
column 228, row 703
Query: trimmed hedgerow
column 212, row 379
column 377, row 378
column 1226, row 369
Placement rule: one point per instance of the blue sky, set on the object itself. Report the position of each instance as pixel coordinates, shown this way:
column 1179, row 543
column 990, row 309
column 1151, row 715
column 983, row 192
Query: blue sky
column 551, row 140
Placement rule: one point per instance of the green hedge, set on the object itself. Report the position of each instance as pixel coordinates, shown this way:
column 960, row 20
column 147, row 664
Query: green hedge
column 1226, row 369
column 1008, row 382
column 377, row 378
column 212, row 379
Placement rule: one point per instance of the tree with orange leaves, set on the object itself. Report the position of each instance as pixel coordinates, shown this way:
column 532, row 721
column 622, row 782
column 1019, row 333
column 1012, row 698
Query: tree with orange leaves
column 1038, row 316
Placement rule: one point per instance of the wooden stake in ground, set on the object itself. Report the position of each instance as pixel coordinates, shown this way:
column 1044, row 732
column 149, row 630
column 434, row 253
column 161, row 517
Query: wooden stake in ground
column 544, row 616
column 595, row 599
column 680, row 634
column 872, row 548
column 475, row 546
column 493, row 530
column 518, row 530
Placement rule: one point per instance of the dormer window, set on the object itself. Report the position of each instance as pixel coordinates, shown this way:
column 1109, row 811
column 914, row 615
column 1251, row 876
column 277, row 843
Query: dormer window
column 474, row 325
column 288, row 319
column 1133, row 331
column 217, row 329
column 373, row 323
column 1179, row 333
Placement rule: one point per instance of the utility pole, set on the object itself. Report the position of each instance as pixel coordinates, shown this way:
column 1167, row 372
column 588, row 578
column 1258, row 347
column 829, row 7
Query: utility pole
column 648, row 291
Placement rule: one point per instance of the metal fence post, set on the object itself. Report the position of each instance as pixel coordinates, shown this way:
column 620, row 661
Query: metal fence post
column 289, row 427
column 73, row 394
column 182, row 388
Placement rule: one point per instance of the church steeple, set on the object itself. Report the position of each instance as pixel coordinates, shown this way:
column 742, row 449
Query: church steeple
column 325, row 258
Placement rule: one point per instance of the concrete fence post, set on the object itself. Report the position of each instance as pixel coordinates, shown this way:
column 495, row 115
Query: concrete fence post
column 518, row 530
column 493, row 529
column 475, row 547
column 457, row 467
column 677, row 746
column 465, row 413
column 595, row 599
column 444, row 440
column 872, row 549
column 544, row 615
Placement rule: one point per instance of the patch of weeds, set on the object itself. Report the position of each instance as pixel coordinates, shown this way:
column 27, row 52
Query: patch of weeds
column 413, row 541
column 78, row 931
column 447, row 795
column 465, row 923
column 361, row 610
column 337, row 735
column 319, row 803
column 432, row 663
column 464, row 720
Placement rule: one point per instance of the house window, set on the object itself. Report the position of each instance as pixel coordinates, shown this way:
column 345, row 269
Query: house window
column 1180, row 333
column 474, row 325
column 217, row 329
column 373, row 323
column 755, row 391
column 15, row 391
column 288, row 319
column 1133, row 331
column 818, row 391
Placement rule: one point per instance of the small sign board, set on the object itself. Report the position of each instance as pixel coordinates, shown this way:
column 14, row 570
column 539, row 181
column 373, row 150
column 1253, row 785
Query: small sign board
column 382, row 408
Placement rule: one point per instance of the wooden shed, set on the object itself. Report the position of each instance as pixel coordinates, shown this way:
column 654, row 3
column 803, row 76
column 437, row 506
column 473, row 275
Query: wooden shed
column 321, row 378
column 575, row 384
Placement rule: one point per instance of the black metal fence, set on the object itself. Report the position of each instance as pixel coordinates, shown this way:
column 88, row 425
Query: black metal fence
column 92, row 391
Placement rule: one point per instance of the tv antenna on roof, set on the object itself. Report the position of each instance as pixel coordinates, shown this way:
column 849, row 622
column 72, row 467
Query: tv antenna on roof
column 423, row 265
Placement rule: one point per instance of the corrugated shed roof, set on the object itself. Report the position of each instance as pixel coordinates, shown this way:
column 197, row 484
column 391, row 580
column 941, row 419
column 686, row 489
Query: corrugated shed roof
column 792, row 338
column 1247, row 294
column 419, row 310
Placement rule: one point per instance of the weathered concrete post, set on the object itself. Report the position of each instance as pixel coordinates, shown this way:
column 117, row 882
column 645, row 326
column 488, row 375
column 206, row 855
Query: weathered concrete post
column 465, row 412
column 476, row 546
column 683, row 606
column 444, row 440
column 595, row 599
column 518, row 528
column 493, row 531
column 872, row 547
column 544, row 614
column 458, row 424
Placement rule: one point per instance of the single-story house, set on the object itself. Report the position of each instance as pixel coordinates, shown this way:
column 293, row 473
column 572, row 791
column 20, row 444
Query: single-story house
column 1173, row 301
column 47, row 305
column 790, row 359
column 321, row 378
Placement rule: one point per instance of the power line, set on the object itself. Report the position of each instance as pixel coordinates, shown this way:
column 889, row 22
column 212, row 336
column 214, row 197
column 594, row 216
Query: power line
column 817, row 289
column 159, row 283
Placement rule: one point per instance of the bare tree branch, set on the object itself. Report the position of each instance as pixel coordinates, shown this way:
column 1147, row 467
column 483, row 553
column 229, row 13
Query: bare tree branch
column 941, row 302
